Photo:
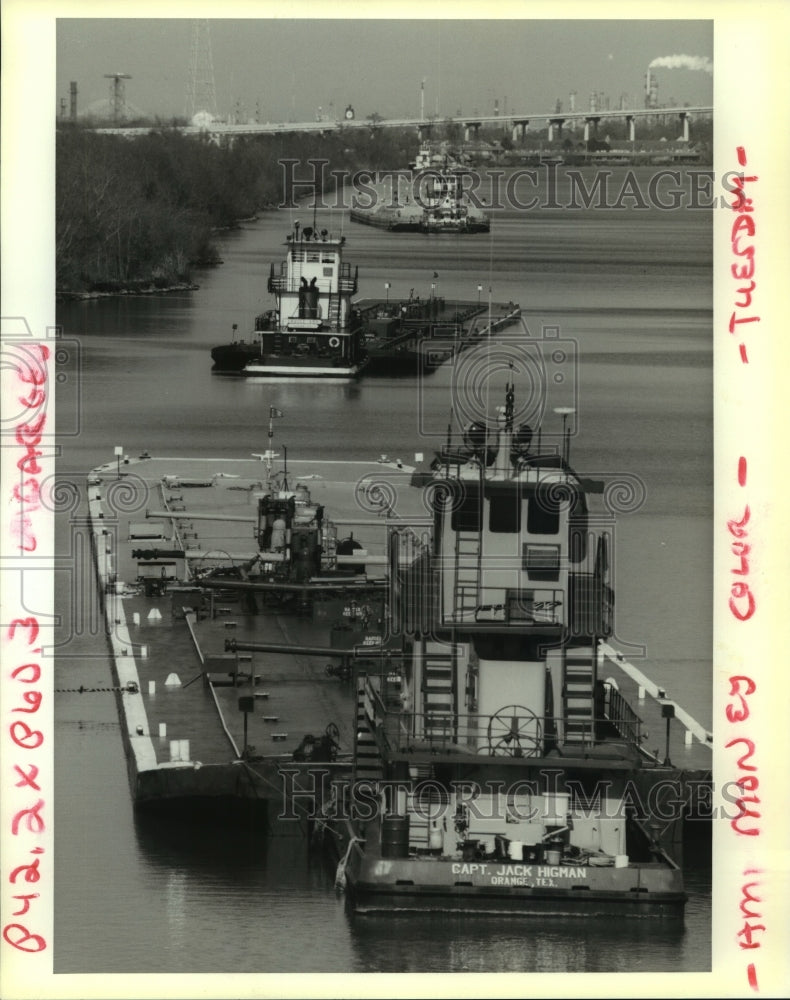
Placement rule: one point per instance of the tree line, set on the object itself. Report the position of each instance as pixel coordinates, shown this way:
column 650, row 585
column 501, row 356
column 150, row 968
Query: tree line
column 132, row 213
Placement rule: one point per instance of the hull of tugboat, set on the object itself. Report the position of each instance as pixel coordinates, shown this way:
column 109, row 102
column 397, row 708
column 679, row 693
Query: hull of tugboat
column 464, row 225
column 526, row 889
column 230, row 359
column 294, row 369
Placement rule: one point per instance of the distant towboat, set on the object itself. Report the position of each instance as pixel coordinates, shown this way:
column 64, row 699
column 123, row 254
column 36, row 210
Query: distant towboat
column 433, row 199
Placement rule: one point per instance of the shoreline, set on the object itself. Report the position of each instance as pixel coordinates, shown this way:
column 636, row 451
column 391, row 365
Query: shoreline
column 144, row 289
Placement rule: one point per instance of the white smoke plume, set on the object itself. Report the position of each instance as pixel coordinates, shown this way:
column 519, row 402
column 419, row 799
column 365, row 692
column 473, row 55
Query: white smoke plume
column 683, row 62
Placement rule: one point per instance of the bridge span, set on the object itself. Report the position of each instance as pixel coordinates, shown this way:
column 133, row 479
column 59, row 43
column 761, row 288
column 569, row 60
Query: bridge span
column 471, row 124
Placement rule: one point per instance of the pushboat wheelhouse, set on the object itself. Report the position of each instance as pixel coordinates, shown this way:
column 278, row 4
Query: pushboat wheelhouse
column 313, row 330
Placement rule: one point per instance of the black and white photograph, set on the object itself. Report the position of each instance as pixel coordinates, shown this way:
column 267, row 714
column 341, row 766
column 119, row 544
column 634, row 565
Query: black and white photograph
column 389, row 568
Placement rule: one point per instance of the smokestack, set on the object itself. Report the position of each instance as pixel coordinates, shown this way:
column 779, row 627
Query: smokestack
column 73, row 100
column 63, row 107
column 496, row 107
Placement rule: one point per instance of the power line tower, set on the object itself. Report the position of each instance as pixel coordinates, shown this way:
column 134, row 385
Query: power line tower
column 201, row 92
column 117, row 94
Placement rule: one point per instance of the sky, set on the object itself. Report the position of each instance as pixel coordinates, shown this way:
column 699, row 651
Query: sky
column 285, row 69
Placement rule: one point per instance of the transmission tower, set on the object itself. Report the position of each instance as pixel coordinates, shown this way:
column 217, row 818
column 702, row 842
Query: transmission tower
column 117, row 94
column 201, row 93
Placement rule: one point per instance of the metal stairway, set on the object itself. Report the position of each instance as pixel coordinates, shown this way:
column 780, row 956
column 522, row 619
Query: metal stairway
column 439, row 695
column 579, row 691
column 333, row 312
column 367, row 759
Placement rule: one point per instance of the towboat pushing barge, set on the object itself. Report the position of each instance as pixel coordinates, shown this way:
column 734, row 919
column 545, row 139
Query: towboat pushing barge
column 317, row 331
column 297, row 642
column 433, row 198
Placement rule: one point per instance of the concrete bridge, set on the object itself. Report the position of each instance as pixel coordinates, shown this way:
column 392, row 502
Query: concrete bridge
column 517, row 123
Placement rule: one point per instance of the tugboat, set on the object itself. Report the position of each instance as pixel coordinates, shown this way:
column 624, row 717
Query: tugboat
column 432, row 199
column 495, row 769
column 313, row 330
column 447, row 206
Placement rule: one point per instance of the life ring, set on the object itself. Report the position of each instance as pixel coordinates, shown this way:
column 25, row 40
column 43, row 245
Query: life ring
column 334, row 342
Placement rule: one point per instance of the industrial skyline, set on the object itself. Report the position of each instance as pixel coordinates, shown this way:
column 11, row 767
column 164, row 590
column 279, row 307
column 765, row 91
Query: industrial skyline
column 280, row 70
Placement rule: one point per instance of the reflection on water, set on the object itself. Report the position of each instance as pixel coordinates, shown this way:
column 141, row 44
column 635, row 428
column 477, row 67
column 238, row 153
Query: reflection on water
column 513, row 944
column 264, row 900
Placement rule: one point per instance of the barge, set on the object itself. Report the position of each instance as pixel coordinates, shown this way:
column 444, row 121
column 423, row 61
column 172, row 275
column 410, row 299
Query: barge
column 416, row 337
column 191, row 552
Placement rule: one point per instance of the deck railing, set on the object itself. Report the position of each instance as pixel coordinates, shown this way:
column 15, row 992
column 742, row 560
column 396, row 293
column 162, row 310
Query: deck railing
column 278, row 280
column 622, row 716
column 509, row 733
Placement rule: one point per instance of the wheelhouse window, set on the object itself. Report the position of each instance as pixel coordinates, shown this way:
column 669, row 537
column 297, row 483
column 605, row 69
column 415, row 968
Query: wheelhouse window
column 504, row 513
column 543, row 515
column 468, row 516
column 541, row 562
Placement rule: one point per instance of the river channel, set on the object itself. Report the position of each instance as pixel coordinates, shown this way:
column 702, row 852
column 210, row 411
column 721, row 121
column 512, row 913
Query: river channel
column 629, row 292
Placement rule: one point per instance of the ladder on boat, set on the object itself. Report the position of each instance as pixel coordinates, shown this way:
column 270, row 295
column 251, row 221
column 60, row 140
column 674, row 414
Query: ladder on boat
column 579, row 695
column 329, row 545
column 333, row 311
column 367, row 758
column 439, row 694
column 466, row 582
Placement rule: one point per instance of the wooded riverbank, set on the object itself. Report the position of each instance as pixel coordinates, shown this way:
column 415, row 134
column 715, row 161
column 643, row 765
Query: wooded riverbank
column 135, row 215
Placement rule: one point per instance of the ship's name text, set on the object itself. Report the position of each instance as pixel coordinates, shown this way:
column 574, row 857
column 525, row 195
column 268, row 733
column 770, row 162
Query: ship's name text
column 526, row 875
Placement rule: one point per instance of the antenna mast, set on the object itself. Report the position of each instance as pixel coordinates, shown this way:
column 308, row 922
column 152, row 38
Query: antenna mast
column 201, row 91
column 117, row 94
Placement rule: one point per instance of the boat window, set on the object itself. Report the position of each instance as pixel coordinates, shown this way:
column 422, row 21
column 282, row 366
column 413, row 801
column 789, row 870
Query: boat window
column 542, row 562
column 504, row 514
column 543, row 515
column 468, row 516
